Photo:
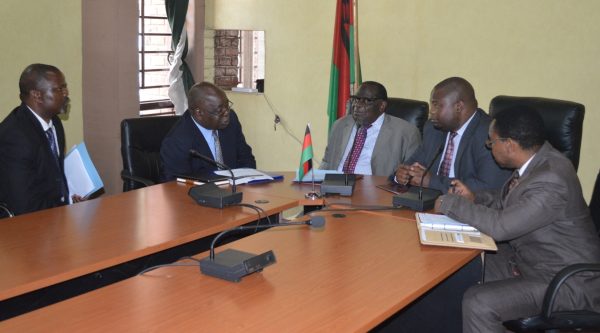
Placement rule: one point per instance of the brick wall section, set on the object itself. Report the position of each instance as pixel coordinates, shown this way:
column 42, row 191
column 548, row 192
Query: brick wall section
column 226, row 58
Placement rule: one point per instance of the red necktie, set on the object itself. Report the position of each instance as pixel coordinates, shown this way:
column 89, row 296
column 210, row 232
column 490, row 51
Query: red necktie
column 447, row 162
column 359, row 142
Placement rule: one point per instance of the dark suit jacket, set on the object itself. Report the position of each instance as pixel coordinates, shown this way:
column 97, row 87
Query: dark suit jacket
column 30, row 178
column 474, row 164
column 175, row 149
column 544, row 220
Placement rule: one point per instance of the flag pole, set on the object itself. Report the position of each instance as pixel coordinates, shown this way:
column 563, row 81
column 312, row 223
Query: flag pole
column 312, row 195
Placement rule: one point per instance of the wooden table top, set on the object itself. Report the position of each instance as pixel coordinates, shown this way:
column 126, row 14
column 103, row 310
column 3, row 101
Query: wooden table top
column 348, row 277
column 365, row 194
column 54, row 245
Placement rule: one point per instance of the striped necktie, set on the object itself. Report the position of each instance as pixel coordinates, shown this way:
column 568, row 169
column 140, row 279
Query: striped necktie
column 447, row 162
column 218, row 151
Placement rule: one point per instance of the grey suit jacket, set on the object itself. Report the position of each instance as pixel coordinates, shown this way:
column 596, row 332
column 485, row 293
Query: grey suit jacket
column 396, row 142
column 544, row 219
column 474, row 164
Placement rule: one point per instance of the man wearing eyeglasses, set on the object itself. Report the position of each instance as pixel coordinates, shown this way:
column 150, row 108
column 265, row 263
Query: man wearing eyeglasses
column 539, row 219
column 453, row 140
column 210, row 127
column 368, row 141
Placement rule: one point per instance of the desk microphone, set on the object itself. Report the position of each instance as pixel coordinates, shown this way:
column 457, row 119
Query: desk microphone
column 421, row 198
column 210, row 194
column 232, row 265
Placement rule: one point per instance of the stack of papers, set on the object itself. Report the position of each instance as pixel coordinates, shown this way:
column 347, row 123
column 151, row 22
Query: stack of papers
column 248, row 175
column 319, row 175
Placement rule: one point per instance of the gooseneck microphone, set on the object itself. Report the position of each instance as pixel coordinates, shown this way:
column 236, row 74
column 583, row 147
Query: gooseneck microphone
column 220, row 165
column 232, row 265
column 210, row 194
column 437, row 154
column 420, row 198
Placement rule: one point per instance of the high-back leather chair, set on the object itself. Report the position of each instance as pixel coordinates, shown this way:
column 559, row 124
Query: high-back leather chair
column 413, row 111
column 141, row 139
column 563, row 121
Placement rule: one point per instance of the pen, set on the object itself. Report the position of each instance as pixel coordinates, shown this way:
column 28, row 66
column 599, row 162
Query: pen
column 189, row 181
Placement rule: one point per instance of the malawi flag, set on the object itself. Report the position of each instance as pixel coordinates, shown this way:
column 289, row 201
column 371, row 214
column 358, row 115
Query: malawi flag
column 345, row 68
column 306, row 156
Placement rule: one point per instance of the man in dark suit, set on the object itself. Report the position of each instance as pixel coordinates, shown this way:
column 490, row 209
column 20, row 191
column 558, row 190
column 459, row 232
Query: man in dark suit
column 32, row 143
column 210, row 127
column 454, row 137
column 540, row 219
column 385, row 141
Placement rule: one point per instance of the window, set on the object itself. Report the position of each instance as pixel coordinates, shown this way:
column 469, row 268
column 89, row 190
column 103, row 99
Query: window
column 238, row 63
column 154, row 45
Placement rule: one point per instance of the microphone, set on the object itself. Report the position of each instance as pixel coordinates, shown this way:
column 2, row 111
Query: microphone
column 232, row 265
column 421, row 198
column 220, row 165
column 210, row 194
column 437, row 154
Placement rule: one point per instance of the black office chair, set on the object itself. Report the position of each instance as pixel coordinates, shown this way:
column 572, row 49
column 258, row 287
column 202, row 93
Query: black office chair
column 413, row 111
column 595, row 204
column 4, row 211
column 141, row 139
column 563, row 121
column 578, row 320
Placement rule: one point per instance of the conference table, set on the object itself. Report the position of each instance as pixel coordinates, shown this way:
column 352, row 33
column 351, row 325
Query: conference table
column 361, row 268
column 54, row 245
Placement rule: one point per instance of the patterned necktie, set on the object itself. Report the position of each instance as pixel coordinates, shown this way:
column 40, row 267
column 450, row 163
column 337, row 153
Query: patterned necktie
column 447, row 162
column 359, row 142
column 514, row 181
column 52, row 142
column 218, row 151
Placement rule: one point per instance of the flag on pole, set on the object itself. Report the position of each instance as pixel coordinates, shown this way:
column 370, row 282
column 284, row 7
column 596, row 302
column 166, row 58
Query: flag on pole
column 345, row 75
column 306, row 156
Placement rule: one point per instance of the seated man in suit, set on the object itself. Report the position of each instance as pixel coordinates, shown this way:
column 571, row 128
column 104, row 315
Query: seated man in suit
column 369, row 142
column 210, row 127
column 453, row 139
column 32, row 143
column 541, row 219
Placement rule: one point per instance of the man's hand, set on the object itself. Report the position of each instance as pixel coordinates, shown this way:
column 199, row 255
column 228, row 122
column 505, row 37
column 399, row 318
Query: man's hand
column 77, row 198
column 403, row 174
column 458, row 187
column 417, row 172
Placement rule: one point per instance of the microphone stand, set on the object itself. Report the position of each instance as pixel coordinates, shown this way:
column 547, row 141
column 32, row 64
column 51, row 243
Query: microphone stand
column 210, row 194
column 232, row 265
column 418, row 201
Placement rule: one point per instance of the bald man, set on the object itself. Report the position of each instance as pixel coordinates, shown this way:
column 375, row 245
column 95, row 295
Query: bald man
column 210, row 127
column 454, row 139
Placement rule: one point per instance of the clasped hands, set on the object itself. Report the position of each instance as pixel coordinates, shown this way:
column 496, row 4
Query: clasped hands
column 412, row 174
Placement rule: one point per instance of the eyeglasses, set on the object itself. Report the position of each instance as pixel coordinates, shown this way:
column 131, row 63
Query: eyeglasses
column 489, row 144
column 356, row 100
column 221, row 110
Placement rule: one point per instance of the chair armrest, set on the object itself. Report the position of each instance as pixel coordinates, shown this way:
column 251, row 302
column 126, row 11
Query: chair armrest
column 126, row 176
column 558, row 281
column 6, row 210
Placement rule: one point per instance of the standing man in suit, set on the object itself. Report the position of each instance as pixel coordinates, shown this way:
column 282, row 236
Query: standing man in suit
column 32, row 143
column 540, row 219
column 369, row 142
column 454, row 139
column 211, row 128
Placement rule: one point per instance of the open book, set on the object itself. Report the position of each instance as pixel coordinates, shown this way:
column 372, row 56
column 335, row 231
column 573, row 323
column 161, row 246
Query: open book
column 249, row 176
column 441, row 230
